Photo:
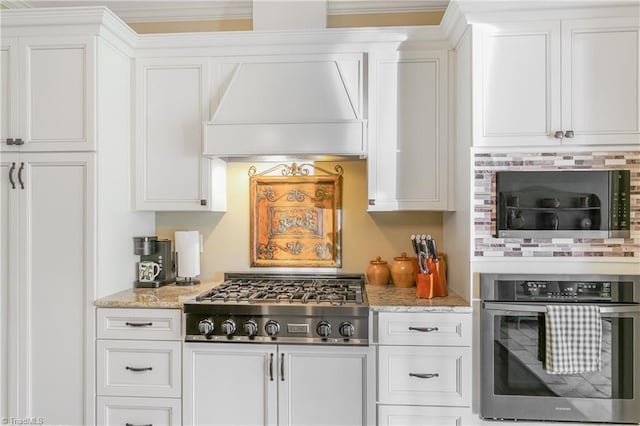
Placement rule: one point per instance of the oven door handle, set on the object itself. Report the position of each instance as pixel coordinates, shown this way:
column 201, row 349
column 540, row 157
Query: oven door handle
column 541, row 308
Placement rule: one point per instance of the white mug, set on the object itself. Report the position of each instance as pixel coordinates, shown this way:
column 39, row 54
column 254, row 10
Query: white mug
column 148, row 271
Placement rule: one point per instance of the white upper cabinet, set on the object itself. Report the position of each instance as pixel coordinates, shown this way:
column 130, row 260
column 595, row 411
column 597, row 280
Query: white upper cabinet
column 557, row 82
column 408, row 134
column 601, row 81
column 47, row 94
column 172, row 102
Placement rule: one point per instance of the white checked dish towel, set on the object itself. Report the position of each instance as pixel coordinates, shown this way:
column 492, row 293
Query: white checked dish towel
column 574, row 339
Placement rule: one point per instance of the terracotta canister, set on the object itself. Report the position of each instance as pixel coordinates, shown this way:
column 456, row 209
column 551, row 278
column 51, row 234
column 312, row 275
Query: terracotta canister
column 402, row 271
column 378, row 272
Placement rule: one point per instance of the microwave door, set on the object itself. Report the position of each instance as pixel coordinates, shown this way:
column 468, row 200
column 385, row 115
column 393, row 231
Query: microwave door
column 515, row 384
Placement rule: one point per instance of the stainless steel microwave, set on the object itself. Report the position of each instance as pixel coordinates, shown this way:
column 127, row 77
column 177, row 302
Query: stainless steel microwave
column 563, row 204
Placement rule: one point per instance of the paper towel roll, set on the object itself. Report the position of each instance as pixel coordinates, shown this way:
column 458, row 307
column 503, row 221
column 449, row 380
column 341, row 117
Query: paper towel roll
column 187, row 253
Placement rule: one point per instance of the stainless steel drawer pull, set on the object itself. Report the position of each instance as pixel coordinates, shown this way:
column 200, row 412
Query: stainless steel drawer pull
column 133, row 424
column 137, row 369
column 424, row 376
column 139, row 324
column 424, row 329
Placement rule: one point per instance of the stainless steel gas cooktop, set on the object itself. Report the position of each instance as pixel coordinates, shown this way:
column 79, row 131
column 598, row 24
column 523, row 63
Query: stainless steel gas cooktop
column 271, row 308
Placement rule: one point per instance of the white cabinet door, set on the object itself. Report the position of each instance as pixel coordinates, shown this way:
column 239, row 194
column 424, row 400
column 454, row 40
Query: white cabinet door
column 408, row 149
column 572, row 82
column 322, row 386
column 172, row 102
column 517, row 84
column 56, row 94
column 8, row 90
column 424, row 375
column 114, row 411
column 135, row 368
column 56, row 255
column 396, row 415
column 8, row 275
column 229, row 384
column 601, row 81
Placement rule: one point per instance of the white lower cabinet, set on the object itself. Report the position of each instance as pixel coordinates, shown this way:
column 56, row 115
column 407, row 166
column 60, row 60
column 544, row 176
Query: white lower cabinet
column 139, row 376
column 424, row 368
column 138, row 411
column 276, row 384
column 396, row 415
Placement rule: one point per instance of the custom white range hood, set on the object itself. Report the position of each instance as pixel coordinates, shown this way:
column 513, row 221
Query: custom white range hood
column 282, row 105
column 299, row 103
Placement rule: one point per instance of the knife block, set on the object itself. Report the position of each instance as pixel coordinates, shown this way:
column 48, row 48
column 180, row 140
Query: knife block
column 424, row 286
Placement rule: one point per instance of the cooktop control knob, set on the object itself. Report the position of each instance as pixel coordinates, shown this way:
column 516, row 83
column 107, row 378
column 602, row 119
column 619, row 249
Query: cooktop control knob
column 323, row 329
column 228, row 327
column 250, row 328
column 346, row 329
column 272, row 328
column 206, row 327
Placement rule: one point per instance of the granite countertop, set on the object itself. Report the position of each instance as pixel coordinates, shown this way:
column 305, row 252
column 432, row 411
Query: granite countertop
column 388, row 298
column 381, row 298
column 169, row 296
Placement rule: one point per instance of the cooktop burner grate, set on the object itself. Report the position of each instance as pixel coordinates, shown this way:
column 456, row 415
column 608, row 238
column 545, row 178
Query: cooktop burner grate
column 332, row 291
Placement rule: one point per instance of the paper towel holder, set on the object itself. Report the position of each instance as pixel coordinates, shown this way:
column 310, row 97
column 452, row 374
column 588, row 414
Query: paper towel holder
column 187, row 257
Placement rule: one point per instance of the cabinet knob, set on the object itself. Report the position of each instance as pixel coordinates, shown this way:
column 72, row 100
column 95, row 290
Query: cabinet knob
column 569, row 134
column 19, row 141
column 11, row 141
column 558, row 134
column 372, row 202
column 203, row 202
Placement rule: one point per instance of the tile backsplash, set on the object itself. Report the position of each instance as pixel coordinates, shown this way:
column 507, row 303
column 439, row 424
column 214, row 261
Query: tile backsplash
column 484, row 209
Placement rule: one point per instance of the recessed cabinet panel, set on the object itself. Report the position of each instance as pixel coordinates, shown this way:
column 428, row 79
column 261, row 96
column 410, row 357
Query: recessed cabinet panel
column 8, row 86
column 418, row 114
column 601, row 70
column 56, row 250
column 511, row 107
column 424, row 375
column 56, row 93
column 132, row 368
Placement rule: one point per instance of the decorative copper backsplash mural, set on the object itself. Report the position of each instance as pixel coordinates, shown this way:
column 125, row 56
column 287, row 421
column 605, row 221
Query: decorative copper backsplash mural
column 295, row 217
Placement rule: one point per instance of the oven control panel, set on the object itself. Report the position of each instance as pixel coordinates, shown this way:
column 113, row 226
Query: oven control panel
column 565, row 290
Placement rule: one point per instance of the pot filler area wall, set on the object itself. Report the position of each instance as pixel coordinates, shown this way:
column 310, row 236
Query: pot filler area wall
column 484, row 212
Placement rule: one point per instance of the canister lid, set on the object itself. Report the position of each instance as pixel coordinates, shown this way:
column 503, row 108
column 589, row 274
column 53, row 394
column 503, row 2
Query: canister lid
column 403, row 257
column 378, row 261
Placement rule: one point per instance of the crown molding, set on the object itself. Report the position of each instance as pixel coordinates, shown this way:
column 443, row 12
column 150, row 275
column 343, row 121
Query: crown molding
column 177, row 11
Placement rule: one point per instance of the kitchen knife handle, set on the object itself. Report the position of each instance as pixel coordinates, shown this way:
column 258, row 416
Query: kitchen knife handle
column 139, row 324
column 20, row 175
column 271, row 367
column 13, row 183
column 138, row 369
column 282, row 367
column 424, row 329
column 424, row 376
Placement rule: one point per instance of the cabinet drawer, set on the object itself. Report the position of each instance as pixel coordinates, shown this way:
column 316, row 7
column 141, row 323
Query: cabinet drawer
column 440, row 329
column 147, row 324
column 138, row 411
column 424, row 375
column 394, row 415
column 133, row 368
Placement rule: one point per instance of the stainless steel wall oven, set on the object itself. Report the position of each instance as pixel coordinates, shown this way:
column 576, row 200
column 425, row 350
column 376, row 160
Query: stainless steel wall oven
column 515, row 384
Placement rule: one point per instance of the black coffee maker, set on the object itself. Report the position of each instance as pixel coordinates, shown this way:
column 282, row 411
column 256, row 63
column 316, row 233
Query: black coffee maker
column 156, row 266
